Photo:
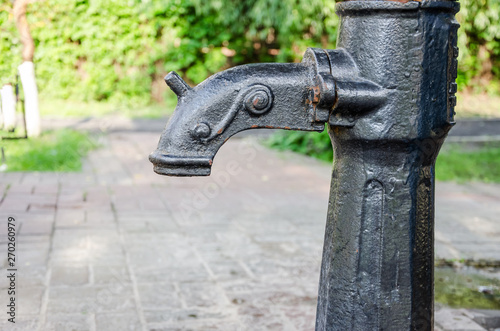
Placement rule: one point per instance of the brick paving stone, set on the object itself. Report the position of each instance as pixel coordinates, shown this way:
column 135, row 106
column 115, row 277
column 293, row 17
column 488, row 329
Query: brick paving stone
column 3, row 188
column 33, row 242
column 227, row 270
column 35, row 207
column 99, row 216
column 188, row 315
column 99, row 258
column 162, row 274
column 70, row 238
column 72, row 194
column 29, row 300
column 96, row 193
column 23, row 189
column 109, row 261
column 200, row 325
column 14, row 205
column 98, row 199
column 455, row 320
column 118, row 321
column 34, row 217
column 145, row 257
column 24, row 201
column 145, row 225
column 31, row 257
column 159, row 296
column 261, row 296
column 104, row 223
column 111, row 273
column 36, row 228
column 65, row 322
column 112, row 298
column 13, row 177
column 69, row 255
column 263, row 318
column 76, row 180
column 23, row 323
column 49, row 179
column 471, row 211
column 202, row 294
column 490, row 319
column 69, row 275
column 32, row 275
column 70, row 206
column 52, row 187
column 70, row 218
column 301, row 317
column 31, row 178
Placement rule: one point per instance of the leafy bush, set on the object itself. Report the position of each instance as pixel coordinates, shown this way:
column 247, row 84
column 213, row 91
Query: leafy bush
column 314, row 144
column 9, row 45
column 119, row 51
column 479, row 42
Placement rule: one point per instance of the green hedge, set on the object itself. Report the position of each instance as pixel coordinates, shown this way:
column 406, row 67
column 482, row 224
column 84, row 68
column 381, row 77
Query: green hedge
column 119, row 51
column 314, row 144
column 479, row 42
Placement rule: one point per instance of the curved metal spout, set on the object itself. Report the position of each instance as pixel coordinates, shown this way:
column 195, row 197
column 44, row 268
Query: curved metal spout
column 291, row 96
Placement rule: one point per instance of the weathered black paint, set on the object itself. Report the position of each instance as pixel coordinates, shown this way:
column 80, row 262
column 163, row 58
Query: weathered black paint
column 387, row 95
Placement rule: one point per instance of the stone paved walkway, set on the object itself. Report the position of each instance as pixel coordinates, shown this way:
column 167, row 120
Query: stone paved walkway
column 118, row 247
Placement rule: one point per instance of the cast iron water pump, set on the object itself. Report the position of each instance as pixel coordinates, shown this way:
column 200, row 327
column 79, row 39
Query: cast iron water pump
column 387, row 95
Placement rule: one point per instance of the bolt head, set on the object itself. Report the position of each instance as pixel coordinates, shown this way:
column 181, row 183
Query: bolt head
column 201, row 130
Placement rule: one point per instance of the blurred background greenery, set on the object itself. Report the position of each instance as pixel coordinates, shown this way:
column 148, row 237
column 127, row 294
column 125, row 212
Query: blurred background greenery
column 119, row 51
column 113, row 54
column 99, row 57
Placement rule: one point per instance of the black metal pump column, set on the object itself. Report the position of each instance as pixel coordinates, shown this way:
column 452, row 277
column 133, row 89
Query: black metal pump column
column 378, row 257
column 387, row 97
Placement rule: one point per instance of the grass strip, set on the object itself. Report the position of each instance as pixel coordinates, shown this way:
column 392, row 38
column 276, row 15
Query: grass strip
column 60, row 150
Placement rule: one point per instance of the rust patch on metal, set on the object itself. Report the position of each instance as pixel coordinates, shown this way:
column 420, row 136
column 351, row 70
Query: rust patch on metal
column 316, row 96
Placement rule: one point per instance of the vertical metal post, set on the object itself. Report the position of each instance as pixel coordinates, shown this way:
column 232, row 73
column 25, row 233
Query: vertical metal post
column 377, row 270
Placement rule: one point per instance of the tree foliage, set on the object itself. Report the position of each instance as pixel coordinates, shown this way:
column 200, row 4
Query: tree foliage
column 479, row 42
column 119, row 50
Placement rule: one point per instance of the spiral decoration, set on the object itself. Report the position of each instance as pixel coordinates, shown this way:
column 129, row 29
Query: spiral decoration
column 258, row 100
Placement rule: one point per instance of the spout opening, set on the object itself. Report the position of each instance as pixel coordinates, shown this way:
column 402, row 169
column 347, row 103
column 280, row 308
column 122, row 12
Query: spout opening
column 170, row 165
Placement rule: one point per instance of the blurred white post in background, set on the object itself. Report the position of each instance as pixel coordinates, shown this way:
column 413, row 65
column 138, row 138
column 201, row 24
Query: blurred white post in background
column 32, row 113
column 8, row 107
column 27, row 70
